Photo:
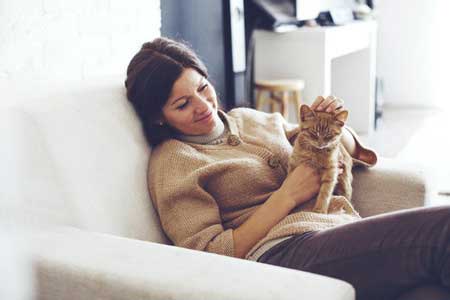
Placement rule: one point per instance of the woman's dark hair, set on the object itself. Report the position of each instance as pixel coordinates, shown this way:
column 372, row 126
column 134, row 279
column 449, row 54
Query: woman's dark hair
column 150, row 78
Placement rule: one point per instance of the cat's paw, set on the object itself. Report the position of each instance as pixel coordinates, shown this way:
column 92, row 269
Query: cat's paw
column 341, row 204
column 337, row 207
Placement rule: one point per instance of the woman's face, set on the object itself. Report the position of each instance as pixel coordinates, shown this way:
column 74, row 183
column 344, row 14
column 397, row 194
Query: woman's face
column 192, row 105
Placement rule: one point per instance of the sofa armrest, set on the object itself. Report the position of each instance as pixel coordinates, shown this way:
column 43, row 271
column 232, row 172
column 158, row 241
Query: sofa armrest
column 390, row 185
column 76, row 264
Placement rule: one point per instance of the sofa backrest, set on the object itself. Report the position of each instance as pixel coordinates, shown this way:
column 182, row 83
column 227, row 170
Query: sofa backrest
column 74, row 154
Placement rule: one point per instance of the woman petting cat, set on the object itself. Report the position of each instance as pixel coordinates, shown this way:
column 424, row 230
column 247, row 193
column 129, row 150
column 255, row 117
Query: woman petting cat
column 220, row 183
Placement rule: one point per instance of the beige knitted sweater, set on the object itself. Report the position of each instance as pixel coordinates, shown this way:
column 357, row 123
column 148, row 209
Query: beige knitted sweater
column 202, row 192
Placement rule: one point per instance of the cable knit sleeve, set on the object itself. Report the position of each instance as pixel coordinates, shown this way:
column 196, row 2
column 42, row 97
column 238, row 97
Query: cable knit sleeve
column 365, row 156
column 290, row 129
column 189, row 215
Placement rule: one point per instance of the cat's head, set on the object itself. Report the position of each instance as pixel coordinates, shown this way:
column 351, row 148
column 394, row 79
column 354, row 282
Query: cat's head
column 321, row 129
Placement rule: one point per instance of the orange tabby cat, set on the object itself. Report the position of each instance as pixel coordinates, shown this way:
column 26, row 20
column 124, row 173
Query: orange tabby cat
column 319, row 146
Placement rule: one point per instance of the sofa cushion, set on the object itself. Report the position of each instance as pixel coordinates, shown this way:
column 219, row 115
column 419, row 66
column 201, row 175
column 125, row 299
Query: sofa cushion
column 74, row 154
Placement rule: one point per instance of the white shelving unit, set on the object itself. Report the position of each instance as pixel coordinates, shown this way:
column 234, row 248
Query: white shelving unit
column 332, row 60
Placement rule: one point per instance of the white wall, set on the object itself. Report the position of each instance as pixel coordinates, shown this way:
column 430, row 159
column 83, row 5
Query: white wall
column 72, row 39
column 414, row 51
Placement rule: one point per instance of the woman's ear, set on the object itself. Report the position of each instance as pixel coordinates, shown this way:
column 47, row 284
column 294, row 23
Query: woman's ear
column 306, row 113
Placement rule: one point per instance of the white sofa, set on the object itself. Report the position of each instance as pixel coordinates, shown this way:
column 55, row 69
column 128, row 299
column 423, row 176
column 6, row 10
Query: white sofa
column 73, row 164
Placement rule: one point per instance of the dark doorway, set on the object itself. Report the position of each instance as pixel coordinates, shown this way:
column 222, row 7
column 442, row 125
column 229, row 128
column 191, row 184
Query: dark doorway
column 205, row 25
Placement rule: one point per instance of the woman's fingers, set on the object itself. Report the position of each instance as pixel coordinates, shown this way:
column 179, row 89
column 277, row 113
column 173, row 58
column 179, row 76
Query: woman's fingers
column 339, row 109
column 339, row 105
column 335, row 105
column 329, row 104
column 325, row 104
column 322, row 103
column 317, row 102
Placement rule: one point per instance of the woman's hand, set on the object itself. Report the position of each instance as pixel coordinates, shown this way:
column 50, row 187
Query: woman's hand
column 331, row 104
column 300, row 185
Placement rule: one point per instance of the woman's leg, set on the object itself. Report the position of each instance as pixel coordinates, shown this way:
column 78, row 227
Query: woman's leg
column 381, row 256
column 427, row 292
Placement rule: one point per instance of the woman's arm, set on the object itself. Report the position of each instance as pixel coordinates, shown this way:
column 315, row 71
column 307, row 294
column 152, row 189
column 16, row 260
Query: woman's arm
column 300, row 186
column 349, row 143
column 361, row 155
column 260, row 223
column 191, row 217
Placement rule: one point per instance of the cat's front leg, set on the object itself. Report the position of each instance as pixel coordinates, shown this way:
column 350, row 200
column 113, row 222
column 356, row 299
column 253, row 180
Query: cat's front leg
column 329, row 178
column 322, row 203
column 344, row 184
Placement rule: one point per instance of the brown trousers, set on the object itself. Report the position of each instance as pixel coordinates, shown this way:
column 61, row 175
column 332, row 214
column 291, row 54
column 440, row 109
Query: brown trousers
column 382, row 256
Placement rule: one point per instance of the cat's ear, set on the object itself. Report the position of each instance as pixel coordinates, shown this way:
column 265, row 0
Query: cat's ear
column 341, row 117
column 306, row 112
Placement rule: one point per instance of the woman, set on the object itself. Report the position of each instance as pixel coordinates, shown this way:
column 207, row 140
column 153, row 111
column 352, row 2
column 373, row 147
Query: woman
column 219, row 184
